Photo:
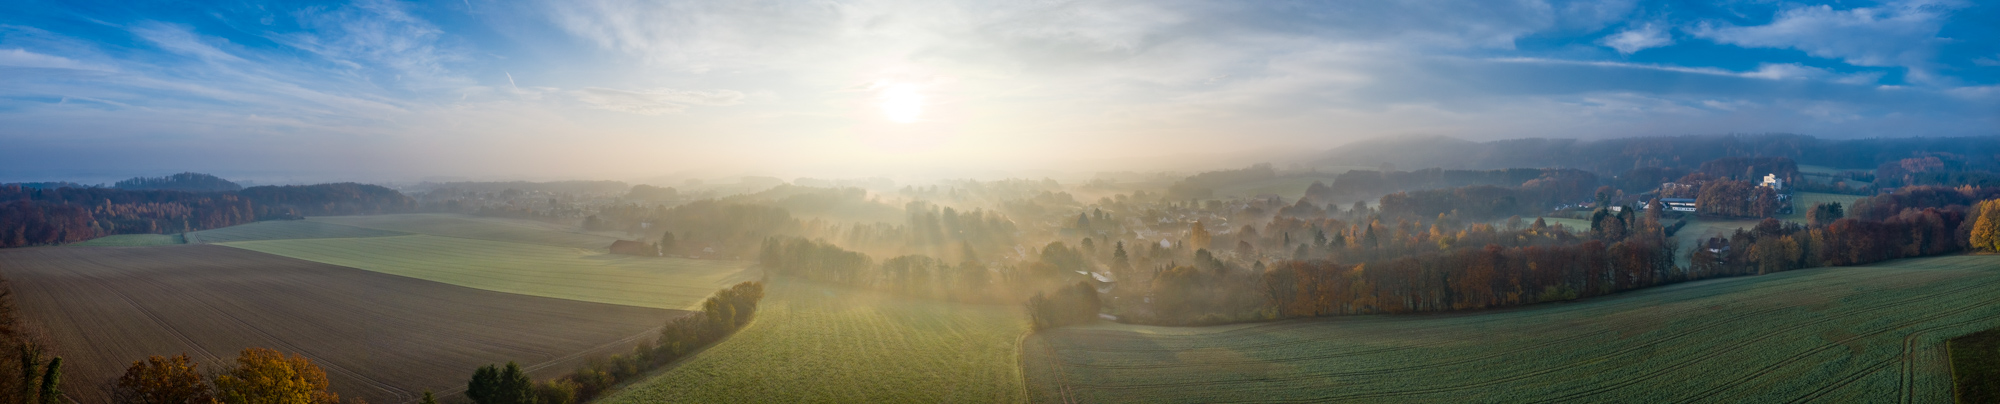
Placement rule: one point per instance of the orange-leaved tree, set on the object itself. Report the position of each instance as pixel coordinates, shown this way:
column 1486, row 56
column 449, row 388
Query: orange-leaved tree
column 160, row 380
column 1986, row 226
column 266, row 376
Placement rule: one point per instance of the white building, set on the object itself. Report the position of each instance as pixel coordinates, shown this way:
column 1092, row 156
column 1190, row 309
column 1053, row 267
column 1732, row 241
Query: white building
column 1771, row 180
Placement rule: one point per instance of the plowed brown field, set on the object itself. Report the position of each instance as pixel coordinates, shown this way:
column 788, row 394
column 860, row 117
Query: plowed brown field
column 382, row 337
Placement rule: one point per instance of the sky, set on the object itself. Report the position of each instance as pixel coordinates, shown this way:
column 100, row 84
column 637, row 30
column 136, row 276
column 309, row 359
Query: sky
column 624, row 89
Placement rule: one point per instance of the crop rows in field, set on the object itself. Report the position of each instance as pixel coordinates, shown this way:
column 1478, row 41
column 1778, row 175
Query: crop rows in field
column 283, row 230
column 478, row 228
column 529, row 269
column 1857, row 334
column 379, row 337
column 814, row 343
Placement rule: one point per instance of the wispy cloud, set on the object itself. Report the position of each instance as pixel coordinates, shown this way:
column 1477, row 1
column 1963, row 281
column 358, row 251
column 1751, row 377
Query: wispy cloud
column 655, row 102
column 23, row 58
column 1638, row 38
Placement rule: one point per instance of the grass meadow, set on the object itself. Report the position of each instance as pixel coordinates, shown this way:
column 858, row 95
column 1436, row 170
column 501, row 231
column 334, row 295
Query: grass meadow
column 818, row 343
column 1802, row 203
column 132, row 240
column 283, row 230
column 479, row 228
column 1850, row 334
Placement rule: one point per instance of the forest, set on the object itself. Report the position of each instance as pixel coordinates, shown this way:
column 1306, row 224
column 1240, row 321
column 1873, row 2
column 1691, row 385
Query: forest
column 30, row 216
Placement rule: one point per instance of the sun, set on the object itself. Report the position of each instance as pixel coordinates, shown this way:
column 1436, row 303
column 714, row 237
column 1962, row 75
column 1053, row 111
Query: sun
column 901, row 103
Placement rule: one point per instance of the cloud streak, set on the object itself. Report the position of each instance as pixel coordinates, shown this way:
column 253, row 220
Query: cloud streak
column 654, row 102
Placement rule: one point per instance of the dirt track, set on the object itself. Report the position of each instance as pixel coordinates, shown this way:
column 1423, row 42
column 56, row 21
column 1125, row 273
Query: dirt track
column 381, row 337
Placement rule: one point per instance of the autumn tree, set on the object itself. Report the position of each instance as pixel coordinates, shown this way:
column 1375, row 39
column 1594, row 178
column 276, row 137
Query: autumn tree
column 162, row 380
column 1198, row 236
column 1986, row 229
column 265, row 376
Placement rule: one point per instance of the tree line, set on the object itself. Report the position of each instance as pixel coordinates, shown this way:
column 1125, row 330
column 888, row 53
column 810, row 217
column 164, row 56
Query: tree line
column 31, row 216
column 1605, row 260
column 721, row 315
column 192, row 182
column 258, row 376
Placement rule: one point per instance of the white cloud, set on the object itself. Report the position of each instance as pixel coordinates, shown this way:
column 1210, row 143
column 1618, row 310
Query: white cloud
column 655, row 102
column 1637, row 39
column 23, row 58
column 1783, row 71
column 1899, row 34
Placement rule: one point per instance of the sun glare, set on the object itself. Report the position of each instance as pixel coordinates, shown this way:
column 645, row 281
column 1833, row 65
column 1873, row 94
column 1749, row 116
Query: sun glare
column 902, row 103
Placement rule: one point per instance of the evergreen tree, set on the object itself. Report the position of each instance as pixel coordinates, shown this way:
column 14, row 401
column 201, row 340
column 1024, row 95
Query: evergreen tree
column 31, row 362
column 484, row 387
column 667, row 242
column 52, row 381
column 1119, row 260
column 494, row 385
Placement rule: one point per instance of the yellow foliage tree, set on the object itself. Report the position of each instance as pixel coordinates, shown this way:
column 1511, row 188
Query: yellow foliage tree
column 1986, row 231
column 162, row 380
column 264, row 376
column 1198, row 236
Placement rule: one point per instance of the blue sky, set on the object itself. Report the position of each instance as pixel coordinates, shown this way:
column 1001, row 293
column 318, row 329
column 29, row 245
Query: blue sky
column 626, row 89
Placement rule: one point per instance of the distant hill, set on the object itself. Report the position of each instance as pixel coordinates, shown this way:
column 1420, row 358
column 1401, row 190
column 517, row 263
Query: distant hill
column 1613, row 156
column 191, row 182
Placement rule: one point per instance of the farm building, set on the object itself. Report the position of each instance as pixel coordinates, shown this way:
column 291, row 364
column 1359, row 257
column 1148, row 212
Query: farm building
column 1771, row 181
column 629, row 247
column 1679, row 204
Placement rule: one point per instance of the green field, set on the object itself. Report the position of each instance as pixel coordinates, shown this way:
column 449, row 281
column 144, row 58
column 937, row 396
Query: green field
column 1699, row 229
column 529, row 269
column 478, row 228
column 1975, row 367
column 1824, row 170
column 815, row 343
column 1802, row 203
column 284, row 230
column 1853, row 334
column 132, row 240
